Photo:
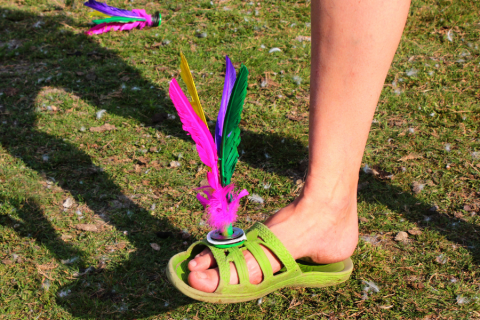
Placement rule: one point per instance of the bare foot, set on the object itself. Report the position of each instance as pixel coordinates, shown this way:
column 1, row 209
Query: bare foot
column 324, row 230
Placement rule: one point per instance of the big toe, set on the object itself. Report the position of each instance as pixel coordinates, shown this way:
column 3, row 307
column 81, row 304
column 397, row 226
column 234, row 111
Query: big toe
column 202, row 261
column 206, row 280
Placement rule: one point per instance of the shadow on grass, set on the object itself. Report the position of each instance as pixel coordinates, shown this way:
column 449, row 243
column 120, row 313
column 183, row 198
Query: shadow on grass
column 137, row 287
column 35, row 225
column 421, row 213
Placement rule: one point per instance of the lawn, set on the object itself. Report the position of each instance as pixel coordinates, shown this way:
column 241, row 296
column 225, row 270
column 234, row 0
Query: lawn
column 97, row 176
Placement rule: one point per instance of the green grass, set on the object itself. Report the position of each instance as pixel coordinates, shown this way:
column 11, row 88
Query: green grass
column 54, row 79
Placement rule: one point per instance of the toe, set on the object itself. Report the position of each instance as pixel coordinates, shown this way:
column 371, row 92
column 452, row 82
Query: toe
column 206, row 281
column 202, row 261
column 255, row 273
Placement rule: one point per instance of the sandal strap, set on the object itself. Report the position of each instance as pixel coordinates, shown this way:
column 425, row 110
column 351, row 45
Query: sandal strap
column 236, row 256
column 271, row 242
column 261, row 258
column 223, row 265
column 257, row 235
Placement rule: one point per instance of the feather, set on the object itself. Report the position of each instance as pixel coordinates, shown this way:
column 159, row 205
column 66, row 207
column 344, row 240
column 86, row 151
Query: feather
column 111, row 11
column 231, row 131
column 219, row 199
column 188, row 79
column 117, row 26
column 221, row 211
column 227, row 90
column 117, row 19
column 98, row 14
column 199, row 133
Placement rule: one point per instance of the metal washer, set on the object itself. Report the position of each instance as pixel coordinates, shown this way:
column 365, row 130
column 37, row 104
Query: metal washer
column 215, row 237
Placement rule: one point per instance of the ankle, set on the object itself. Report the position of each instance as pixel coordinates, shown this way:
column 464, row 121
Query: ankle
column 340, row 196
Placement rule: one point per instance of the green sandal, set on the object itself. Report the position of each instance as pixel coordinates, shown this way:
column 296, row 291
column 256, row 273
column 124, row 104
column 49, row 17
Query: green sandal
column 293, row 274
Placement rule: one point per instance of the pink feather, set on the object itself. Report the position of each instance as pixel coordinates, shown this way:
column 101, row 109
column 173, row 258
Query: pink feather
column 221, row 211
column 198, row 130
column 116, row 26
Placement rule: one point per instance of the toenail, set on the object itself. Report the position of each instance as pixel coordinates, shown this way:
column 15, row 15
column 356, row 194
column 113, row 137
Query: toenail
column 193, row 263
column 201, row 275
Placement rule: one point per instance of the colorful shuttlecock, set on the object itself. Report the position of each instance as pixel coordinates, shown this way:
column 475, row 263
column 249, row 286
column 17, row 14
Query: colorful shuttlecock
column 219, row 197
column 111, row 18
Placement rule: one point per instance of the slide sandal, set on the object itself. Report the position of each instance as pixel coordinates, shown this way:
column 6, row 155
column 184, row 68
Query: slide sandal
column 293, row 274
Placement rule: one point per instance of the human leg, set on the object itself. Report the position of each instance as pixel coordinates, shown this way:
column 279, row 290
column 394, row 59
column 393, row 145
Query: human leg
column 353, row 44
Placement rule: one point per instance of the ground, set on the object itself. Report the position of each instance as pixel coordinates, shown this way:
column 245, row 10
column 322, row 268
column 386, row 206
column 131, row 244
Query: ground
column 93, row 204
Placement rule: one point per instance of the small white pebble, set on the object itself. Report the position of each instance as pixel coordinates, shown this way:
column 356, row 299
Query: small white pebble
column 447, row 147
column 155, row 246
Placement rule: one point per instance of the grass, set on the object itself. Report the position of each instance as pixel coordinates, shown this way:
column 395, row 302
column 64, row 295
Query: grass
column 54, row 80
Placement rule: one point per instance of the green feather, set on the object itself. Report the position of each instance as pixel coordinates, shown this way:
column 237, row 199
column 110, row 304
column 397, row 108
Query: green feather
column 117, row 19
column 231, row 131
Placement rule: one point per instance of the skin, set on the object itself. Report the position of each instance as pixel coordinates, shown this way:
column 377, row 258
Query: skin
column 353, row 44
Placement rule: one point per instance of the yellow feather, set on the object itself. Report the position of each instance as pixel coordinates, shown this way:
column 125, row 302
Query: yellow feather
column 188, row 79
column 98, row 14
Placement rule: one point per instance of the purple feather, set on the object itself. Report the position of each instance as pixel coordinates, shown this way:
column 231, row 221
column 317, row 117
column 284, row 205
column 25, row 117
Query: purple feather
column 230, row 78
column 115, row 26
column 111, row 11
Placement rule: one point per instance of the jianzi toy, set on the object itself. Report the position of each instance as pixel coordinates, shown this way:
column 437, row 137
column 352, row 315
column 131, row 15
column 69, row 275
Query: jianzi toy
column 111, row 18
column 219, row 198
